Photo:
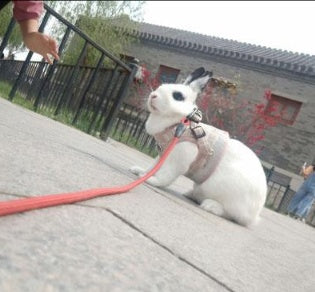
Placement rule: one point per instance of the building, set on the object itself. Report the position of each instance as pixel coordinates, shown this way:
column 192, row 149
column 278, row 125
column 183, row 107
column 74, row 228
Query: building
column 172, row 54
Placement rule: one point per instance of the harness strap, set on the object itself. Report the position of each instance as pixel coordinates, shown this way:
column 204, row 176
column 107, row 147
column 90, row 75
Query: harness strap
column 211, row 147
column 210, row 153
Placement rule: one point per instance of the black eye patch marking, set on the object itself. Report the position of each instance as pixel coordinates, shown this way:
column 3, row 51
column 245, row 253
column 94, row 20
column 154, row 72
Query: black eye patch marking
column 178, row 96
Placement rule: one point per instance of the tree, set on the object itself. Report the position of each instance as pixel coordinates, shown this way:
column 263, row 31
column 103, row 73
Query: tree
column 96, row 18
column 99, row 20
column 15, row 42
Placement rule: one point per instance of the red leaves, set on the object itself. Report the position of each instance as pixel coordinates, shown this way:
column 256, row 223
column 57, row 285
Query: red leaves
column 267, row 94
column 244, row 120
column 259, row 108
column 145, row 80
column 146, row 74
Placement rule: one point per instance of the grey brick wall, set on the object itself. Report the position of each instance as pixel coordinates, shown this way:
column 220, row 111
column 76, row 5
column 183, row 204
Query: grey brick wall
column 285, row 146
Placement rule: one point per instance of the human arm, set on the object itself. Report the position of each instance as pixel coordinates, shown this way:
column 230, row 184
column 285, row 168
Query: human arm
column 27, row 14
column 38, row 42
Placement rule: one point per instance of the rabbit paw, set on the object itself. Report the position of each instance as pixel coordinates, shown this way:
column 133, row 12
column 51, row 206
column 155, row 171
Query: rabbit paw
column 136, row 170
column 213, row 207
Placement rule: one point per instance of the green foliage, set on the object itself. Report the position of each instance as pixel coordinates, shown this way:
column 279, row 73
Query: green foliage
column 104, row 33
column 5, row 89
column 15, row 42
column 98, row 20
column 95, row 18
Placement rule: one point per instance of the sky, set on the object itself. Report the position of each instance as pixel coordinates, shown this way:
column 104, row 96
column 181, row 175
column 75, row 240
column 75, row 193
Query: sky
column 285, row 25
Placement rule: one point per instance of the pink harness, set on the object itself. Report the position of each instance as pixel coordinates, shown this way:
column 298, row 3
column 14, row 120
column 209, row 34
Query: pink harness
column 211, row 148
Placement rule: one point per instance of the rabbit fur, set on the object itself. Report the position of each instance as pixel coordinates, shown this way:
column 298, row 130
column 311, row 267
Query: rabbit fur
column 237, row 188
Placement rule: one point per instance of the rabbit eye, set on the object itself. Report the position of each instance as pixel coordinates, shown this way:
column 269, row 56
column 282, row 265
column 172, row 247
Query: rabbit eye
column 178, row 96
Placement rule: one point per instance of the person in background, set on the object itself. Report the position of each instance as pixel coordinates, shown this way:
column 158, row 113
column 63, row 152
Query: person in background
column 302, row 201
column 27, row 13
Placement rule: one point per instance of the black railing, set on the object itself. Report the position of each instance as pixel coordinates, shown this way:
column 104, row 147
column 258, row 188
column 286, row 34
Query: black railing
column 83, row 107
column 129, row 128
column 88, row 97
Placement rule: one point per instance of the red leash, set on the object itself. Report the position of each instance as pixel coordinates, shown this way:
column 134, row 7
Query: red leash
column 28, row 204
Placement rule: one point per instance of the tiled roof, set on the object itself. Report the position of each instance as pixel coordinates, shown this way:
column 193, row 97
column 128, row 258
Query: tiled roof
column 283, row 60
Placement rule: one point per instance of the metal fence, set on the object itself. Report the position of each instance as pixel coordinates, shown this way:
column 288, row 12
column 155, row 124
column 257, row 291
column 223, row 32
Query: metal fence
column 280, row 194
column 129, row 128
column 87, row 97
column 94, row 99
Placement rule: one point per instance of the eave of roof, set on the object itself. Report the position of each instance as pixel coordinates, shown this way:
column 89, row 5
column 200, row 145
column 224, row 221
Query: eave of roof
column 302, row 64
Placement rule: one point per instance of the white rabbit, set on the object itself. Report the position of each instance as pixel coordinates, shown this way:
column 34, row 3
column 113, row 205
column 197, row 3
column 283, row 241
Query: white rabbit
column 236, row 188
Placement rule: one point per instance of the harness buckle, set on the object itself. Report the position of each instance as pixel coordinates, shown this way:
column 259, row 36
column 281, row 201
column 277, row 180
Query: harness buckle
column 195, row 116
column 198, row 132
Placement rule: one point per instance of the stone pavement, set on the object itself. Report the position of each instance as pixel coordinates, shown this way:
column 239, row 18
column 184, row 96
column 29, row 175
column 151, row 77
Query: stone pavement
column 146, row 240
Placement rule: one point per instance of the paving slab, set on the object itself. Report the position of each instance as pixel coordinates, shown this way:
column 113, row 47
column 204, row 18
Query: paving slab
column 148, row 239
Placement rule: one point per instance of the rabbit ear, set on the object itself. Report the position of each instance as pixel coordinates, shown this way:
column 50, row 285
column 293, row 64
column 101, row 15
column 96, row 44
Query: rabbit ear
column 199, row 83
column 194, row 75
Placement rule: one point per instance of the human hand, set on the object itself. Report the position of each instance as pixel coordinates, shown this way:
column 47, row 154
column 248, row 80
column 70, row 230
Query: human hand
column 303, row 169
column 42, row 44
